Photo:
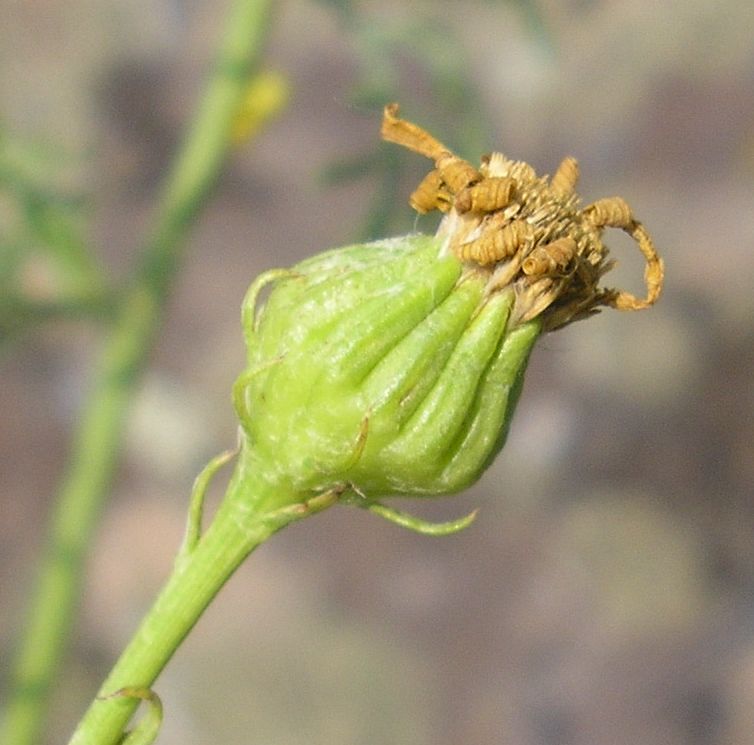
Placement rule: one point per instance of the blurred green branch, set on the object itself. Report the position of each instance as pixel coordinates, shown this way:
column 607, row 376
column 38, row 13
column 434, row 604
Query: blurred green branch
column 40, row 216
column 18, row 313
column 95, row 449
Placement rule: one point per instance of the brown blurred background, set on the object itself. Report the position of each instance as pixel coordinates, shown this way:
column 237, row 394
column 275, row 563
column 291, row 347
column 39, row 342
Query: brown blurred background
column 606, row 592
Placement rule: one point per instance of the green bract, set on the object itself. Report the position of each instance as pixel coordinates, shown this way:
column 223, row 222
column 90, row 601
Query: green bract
column 383, row 369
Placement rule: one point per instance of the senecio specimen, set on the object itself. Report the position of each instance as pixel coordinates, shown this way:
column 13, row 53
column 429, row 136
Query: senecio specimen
column 393, row 368
column 390, row 368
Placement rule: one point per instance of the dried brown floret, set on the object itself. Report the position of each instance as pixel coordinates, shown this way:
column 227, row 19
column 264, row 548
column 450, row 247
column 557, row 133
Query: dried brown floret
column 610, row 212
column 487, row 196
column 431, row 194
column 495, row 245
column 550, row 258
column 566, row 177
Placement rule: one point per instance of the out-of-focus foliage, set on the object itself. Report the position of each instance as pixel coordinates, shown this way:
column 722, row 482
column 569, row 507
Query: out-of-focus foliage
column 46, row 266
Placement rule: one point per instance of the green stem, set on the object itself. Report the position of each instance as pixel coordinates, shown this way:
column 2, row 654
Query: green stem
column 197, row 577
column 94, row 456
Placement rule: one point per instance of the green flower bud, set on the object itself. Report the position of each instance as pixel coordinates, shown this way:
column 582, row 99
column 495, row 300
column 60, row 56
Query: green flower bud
column 382, row 367
column 393, row 368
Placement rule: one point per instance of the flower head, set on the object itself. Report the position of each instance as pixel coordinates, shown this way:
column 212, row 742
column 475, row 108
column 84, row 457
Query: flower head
column 393, row 368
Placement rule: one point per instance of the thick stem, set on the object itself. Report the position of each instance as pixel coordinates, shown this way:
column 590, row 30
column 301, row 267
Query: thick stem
column 94, row 456
column 197, row 577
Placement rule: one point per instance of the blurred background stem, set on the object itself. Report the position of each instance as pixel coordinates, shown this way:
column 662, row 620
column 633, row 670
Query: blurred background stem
column 94, row 454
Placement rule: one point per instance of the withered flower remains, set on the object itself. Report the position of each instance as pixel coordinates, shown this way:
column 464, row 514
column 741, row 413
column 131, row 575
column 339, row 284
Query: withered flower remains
column 526, row 231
